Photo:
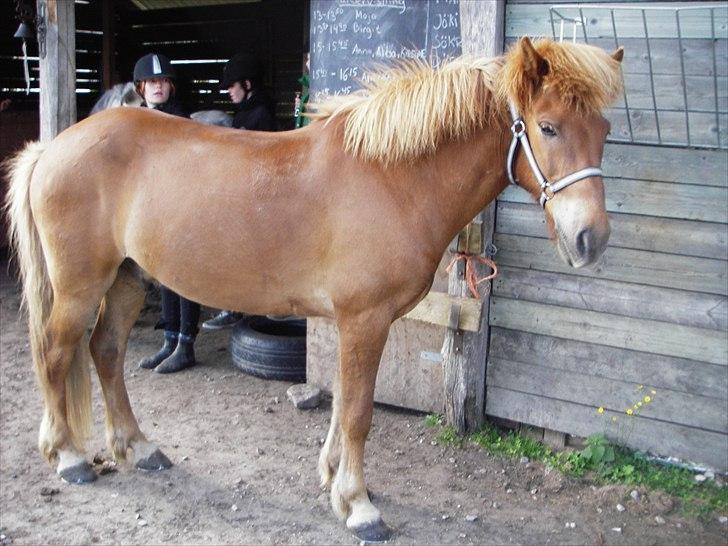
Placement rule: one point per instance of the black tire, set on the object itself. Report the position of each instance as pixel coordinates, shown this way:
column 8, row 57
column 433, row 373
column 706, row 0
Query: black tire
column 270, row 349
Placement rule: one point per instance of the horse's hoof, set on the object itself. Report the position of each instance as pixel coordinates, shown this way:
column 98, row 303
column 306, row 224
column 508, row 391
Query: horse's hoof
column 376, row 531
column 78, row 473
column 156, row 461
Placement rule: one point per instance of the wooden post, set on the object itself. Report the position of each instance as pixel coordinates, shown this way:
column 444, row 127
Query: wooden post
column 108, row 44
column 482, row 27
column 57, row 51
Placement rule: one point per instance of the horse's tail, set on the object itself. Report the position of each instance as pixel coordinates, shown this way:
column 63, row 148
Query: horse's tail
column 37, row 297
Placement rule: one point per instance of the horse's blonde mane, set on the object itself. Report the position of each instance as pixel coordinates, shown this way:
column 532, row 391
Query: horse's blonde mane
column 407, row 111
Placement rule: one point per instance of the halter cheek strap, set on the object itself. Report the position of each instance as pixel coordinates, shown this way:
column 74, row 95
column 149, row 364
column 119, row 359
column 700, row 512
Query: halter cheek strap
column 548, row 189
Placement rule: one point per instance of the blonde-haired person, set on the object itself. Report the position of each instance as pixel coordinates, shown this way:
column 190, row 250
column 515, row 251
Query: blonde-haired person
column 154, row 81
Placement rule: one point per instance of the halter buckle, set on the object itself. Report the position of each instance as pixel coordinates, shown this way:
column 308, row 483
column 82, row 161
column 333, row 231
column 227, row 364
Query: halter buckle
column 518, row 128
column 547, row 191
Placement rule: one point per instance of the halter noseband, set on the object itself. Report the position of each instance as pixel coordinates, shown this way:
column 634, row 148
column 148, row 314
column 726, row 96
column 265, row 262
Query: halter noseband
column 547, row 188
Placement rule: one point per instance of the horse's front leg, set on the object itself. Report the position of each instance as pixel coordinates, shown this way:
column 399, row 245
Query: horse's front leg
column 361, row 341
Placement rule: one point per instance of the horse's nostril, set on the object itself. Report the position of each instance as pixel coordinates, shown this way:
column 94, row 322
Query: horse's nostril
column 584, row 242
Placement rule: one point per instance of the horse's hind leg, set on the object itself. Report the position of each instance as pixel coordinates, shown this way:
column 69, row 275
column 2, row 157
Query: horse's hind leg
column 361, row 341
column 119, row 309
column 62, row 371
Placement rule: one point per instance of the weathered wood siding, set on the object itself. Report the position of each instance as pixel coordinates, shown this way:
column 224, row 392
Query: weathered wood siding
column 652, row 314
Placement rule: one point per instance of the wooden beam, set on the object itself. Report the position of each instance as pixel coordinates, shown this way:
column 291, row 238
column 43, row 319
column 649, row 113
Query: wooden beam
column 482, row 27
column 57, row 49
column 435, row 309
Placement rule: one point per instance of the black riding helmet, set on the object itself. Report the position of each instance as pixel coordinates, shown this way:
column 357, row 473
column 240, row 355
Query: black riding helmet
column 153, row 65
column 241, row 67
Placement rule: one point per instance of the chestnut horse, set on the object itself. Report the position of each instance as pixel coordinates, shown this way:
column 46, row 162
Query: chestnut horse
column 347, row 218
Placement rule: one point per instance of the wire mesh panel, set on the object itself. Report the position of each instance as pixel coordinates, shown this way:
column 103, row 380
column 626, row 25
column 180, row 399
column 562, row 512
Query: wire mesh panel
column 675, row 68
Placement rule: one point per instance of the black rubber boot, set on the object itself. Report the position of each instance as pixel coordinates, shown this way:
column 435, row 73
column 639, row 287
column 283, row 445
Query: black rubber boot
column 222, row 320
column 182, row 357
column 170, row 343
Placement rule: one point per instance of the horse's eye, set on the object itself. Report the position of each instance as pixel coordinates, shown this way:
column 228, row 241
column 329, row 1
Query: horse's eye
column 547, row 129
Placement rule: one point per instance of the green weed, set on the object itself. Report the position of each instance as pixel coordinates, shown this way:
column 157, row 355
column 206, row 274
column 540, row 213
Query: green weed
column 600, row 462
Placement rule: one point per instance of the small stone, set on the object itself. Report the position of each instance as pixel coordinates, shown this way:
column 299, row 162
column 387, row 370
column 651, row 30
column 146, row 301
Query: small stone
column 397, row 452
column 635, row 495
column 599, row 510
column 185, row 458
column 723, row 519
column 445, row 516
column 432, row 443
column 700, row 478
column 304, row 396
column 276, row 400
column 142, row 523
column 534, row 490
column 617, row 529
column 570, row 525
column 659, row 520
column 259, row 451
column 234, row 508
column 463, row 535
column 267, row 409
column 452, row 460
column 49, row 491
column 710, row 474
column 620, row 508
column 509, row 491
column 137, row 516
column 471, row 518
column 495, row 505
column 524, row 460
column 678, row 525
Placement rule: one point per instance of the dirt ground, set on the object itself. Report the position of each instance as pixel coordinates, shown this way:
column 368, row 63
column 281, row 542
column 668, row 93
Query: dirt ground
column 245, row 470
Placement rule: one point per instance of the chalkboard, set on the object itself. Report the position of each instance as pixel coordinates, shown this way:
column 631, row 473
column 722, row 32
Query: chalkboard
column 349, row 37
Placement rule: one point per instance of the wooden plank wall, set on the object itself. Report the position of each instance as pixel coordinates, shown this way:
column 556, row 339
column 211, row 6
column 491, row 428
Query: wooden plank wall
column 652, row 313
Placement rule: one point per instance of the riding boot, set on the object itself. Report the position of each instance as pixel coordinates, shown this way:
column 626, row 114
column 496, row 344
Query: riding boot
column 182, row 357
column 222, row 320
column 170, row 342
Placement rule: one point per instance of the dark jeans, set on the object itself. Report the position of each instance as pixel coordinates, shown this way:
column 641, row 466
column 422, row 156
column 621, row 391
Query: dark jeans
column 179, row 314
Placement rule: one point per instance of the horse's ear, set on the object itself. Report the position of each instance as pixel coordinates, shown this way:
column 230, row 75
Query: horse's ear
column 618, row 54
column 534, row 66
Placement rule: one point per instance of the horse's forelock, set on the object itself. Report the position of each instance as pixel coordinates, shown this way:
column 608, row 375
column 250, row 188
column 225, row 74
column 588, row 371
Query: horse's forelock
column 585, row 77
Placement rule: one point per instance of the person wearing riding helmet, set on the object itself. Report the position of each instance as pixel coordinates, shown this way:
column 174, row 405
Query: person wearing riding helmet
column 254, row 110
column 154, row 81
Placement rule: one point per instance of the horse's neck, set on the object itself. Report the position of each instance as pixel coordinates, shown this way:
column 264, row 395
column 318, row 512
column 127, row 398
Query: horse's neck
column 463, row 178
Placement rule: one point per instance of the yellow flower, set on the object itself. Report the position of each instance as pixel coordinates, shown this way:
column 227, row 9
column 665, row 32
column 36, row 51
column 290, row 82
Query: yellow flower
column 640, row 387
column 639, row 404
column 600, row 410
column 653, row 391
column 629, row 411
column 647, row 399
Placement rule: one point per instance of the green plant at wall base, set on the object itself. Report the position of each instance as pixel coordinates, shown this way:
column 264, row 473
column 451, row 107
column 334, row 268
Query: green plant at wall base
column 598, row 451
column 610, row 465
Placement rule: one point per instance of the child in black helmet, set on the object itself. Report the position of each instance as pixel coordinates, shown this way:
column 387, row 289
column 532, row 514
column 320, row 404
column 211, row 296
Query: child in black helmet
column 154, row 81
